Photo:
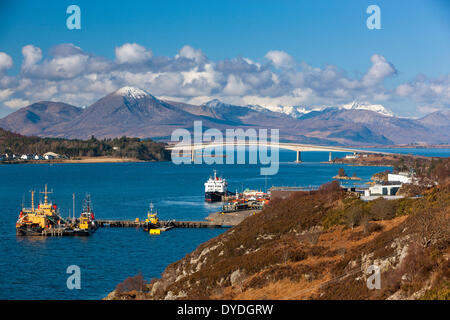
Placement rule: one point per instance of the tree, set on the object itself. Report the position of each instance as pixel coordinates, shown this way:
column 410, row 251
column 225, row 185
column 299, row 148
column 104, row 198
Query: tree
column 341, row 172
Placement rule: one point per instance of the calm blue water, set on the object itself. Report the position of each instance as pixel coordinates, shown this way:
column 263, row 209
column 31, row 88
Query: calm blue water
column 35, row 268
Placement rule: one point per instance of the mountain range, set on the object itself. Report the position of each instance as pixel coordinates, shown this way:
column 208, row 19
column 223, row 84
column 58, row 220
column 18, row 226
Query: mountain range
column 131, row 111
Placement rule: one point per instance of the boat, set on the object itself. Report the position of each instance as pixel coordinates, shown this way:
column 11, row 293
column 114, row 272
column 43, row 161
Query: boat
column 41, row 220
column 215, row 188
column 152, row 221
column 86, row 223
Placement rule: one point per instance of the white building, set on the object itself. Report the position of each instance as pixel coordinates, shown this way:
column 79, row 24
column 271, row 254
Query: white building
column 38, row 157
column 403, row 177
column 51, row 155
column 25, row 157
column 386, row 190
column 351, row 156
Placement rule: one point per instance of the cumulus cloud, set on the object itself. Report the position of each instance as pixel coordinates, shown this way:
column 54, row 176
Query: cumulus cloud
column 432, row 94
column 16, row 103
column 188, row 52
column 74, row 76
column 31, row 56
column 6, row 62
column 280, row 59
column 379, row 70
column 132, row 53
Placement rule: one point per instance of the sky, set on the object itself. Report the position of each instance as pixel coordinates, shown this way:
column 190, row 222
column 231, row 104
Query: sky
column 272, row 53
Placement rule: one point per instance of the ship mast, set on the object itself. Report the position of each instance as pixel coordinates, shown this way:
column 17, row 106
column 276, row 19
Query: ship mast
column 46, row 195
column 32, row 200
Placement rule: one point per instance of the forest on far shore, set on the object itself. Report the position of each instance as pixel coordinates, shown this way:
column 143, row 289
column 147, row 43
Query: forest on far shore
column 124, row 147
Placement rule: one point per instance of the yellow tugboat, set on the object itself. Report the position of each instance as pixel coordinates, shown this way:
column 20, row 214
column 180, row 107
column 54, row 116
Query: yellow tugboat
column 151, row 224
column 43, row 220
column 86, row 222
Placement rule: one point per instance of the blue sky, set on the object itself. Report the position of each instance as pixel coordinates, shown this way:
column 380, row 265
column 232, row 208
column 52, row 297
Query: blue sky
column 414, row 40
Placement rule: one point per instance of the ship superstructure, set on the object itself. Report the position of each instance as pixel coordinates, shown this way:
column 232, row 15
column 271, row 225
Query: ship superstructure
column 152, row 221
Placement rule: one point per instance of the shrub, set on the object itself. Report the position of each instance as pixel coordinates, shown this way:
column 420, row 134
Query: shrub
column 135, row 283
column 382, row 209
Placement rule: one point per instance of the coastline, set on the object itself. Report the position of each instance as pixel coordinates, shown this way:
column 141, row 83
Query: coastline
column 78, row 160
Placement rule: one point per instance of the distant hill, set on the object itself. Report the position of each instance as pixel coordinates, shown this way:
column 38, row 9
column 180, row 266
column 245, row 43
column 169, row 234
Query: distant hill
column 38, row 117
column 134, row 112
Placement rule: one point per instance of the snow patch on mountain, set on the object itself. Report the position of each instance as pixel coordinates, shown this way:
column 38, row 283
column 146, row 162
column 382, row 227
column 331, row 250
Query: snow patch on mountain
column 132, row 93
column 299, row 111
column 378, row 108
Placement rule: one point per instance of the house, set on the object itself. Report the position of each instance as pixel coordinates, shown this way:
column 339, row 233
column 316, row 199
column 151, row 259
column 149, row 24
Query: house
column 38, row 157
column 403, row 177
column 51, row 155
column 352, row 156
column 25, row 157
column 387, row 190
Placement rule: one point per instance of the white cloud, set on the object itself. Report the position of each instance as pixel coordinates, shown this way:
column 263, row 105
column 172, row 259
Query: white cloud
column 190, row 53
column 132, row 53
column 4, row 94
column 235, row 86
column 16, row 103
column 32, row 55
column 379, row 70
column 6, row 62
column 280, row 59
column 431, row 93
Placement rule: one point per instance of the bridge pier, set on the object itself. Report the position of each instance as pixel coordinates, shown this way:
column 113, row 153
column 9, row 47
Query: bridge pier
column 299, row 157
column 192, row 155
column 330, row 159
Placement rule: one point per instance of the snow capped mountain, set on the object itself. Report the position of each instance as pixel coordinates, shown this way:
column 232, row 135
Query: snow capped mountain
column 378, row 108
column 300, row 111
column 133, row 93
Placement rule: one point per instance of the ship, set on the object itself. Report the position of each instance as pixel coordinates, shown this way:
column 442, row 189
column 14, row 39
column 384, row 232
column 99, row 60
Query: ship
column 41, row 220
column 215, row 188
column 152, row 221
column 86, row 223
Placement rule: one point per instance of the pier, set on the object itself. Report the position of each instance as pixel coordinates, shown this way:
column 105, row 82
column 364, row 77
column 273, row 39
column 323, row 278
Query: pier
column 166, row 225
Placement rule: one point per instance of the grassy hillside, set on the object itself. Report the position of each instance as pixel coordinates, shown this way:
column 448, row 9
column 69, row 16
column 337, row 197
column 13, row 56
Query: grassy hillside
column 119, row 147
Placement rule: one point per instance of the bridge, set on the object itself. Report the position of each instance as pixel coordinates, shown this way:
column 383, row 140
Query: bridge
column 297, row 147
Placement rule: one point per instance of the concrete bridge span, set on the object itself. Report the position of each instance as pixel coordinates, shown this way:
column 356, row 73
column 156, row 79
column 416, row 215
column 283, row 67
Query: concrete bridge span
column 297, row 147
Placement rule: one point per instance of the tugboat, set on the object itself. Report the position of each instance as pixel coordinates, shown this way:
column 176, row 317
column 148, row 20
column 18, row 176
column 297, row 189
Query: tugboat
column 87, row 223
column 215, row 188
column 152, row 221
column 43, row 220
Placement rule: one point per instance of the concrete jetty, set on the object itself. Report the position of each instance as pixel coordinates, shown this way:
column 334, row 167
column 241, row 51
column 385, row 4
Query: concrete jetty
column 164, row 224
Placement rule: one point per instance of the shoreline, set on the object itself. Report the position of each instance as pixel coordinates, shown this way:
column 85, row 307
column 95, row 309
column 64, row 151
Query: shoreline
column 78, row 160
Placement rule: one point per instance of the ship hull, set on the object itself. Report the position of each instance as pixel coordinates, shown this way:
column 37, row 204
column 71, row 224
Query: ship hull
column 213, row 196
column 148, row 226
